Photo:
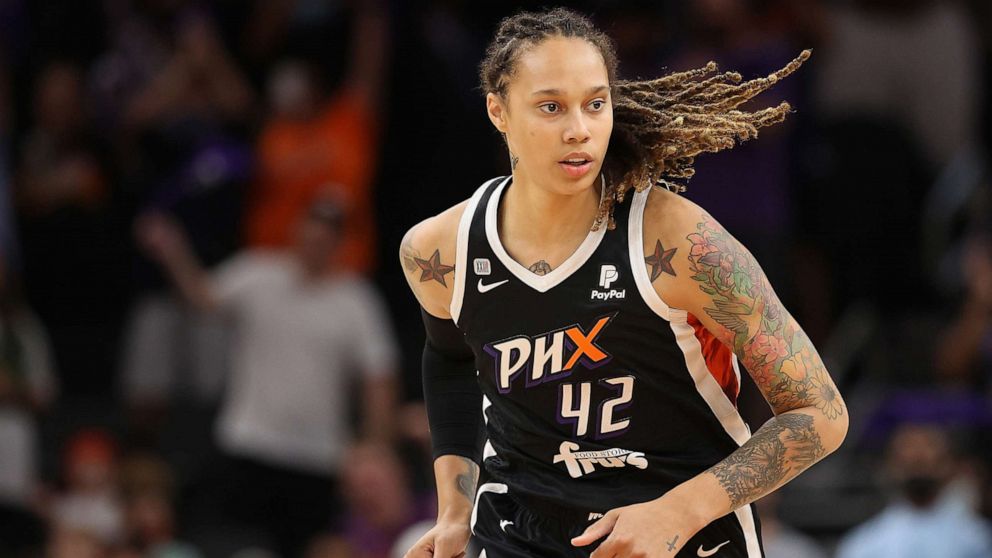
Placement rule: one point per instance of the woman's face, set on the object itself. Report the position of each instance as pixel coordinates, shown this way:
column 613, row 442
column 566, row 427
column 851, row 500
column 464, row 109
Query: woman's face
column 557, row 114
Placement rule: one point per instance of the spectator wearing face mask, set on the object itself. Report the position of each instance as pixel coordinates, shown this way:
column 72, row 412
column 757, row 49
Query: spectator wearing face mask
column 931, row 514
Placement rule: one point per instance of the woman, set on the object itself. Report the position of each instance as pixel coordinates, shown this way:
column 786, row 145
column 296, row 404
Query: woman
column 605, row 317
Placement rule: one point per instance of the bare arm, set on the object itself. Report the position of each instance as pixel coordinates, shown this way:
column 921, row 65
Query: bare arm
column 456, row 481
column 717, row 280
column 163, row 240
column 427, row 257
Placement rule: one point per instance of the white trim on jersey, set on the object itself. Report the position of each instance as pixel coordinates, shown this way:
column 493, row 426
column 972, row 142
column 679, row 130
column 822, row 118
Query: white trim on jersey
column 540, row 283
column 737, row 371
column 487, row 450
column 635, row 245
column 707, row 386
column 746, row 518
column 496, row 487
column 461, row 251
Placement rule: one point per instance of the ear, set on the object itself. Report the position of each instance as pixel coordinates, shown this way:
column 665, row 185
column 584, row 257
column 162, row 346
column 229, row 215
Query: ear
column 496, row 111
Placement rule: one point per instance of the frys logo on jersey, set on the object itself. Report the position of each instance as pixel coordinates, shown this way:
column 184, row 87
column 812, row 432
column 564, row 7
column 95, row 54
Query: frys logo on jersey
column 580, row 463
column 549, row 356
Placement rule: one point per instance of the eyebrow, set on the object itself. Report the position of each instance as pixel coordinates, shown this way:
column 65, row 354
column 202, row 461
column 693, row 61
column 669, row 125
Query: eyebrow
column 558, row 92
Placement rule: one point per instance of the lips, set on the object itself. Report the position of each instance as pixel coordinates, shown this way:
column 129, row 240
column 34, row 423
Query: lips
column 576, row 158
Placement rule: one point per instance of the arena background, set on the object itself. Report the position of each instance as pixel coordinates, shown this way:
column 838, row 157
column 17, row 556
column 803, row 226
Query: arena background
column 869, row 210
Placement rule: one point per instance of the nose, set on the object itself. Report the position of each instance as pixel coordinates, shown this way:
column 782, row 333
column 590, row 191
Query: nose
column 576, row 130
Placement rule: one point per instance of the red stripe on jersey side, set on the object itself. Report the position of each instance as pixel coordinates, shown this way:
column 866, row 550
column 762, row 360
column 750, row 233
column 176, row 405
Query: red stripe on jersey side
column 718, row 359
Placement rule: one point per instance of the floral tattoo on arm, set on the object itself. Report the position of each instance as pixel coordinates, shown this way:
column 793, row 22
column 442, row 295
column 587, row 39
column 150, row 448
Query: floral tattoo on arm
column 779, row 356
column 777, row 353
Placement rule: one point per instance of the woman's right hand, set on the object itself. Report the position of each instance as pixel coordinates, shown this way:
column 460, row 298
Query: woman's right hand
column 448, row 539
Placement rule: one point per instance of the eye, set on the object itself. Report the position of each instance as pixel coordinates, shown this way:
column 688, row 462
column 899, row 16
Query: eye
column 550, row 108
column 597, row 105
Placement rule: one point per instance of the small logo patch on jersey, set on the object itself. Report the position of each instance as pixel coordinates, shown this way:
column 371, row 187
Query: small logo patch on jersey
column 710, row 552
column 580, row 463
column 594, row 515
column 608, row 275
column 481, row 266
column 483, row 288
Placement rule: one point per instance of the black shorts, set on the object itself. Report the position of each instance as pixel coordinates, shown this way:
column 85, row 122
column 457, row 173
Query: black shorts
column 503, row 527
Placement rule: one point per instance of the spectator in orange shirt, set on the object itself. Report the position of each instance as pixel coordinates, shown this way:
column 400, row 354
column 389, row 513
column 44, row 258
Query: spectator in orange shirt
column 311, row 144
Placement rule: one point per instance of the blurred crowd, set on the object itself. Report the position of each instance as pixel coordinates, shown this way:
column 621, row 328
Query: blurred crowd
column 206, row 345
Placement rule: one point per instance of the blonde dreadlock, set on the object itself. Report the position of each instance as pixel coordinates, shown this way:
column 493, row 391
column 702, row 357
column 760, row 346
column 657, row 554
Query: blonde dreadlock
column 659, row 125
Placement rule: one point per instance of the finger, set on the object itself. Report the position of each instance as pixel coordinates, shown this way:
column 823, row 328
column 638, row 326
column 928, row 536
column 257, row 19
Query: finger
column 596, row 531
column 420, row 550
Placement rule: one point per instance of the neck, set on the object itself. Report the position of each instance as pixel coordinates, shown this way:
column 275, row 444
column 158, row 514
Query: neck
column 544, row 216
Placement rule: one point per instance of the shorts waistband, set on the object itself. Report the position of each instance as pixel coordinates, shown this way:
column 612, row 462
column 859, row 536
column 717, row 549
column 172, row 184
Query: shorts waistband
column 555, row 510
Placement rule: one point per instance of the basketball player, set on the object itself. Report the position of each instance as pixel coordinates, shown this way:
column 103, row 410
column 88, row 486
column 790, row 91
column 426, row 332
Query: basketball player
column 603, row 319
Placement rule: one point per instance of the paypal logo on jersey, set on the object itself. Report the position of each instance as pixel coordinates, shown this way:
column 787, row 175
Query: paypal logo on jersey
column 608, row 275
column 548, row 356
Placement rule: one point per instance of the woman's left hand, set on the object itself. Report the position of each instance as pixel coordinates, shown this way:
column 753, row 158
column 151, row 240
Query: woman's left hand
column 655, row 529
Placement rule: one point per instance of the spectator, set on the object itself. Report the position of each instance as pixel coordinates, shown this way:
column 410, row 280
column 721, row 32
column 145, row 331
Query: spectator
column 59, row 168
column 67, row 229
column 964, row 354
column 302, row 327
column 312, row 141
column 932, row 515
column 90, row 502
column 900, row 60
column 148, row 486
column 182, row 146
column 381, row 503
column 151, row 527
column 184, row 126
column 27, row 389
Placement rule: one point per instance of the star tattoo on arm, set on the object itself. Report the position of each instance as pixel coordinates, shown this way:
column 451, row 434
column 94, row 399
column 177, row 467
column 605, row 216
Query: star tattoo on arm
column 433, row 269
column 661, row 261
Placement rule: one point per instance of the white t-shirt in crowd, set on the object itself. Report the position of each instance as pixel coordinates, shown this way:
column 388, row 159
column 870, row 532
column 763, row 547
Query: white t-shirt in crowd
column 19, row 435
column 298, row 346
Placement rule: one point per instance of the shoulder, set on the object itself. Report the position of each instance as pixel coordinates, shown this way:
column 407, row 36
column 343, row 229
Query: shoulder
column 427, row 254
column 676, row 234
column 671, row 215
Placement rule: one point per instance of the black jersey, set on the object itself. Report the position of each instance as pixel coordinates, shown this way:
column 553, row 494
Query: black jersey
column 596, row 394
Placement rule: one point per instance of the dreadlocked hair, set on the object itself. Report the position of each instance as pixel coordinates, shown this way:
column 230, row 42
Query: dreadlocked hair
column 659, row 125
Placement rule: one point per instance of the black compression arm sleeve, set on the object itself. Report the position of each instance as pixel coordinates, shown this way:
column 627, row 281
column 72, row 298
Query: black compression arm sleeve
column 451, row 391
